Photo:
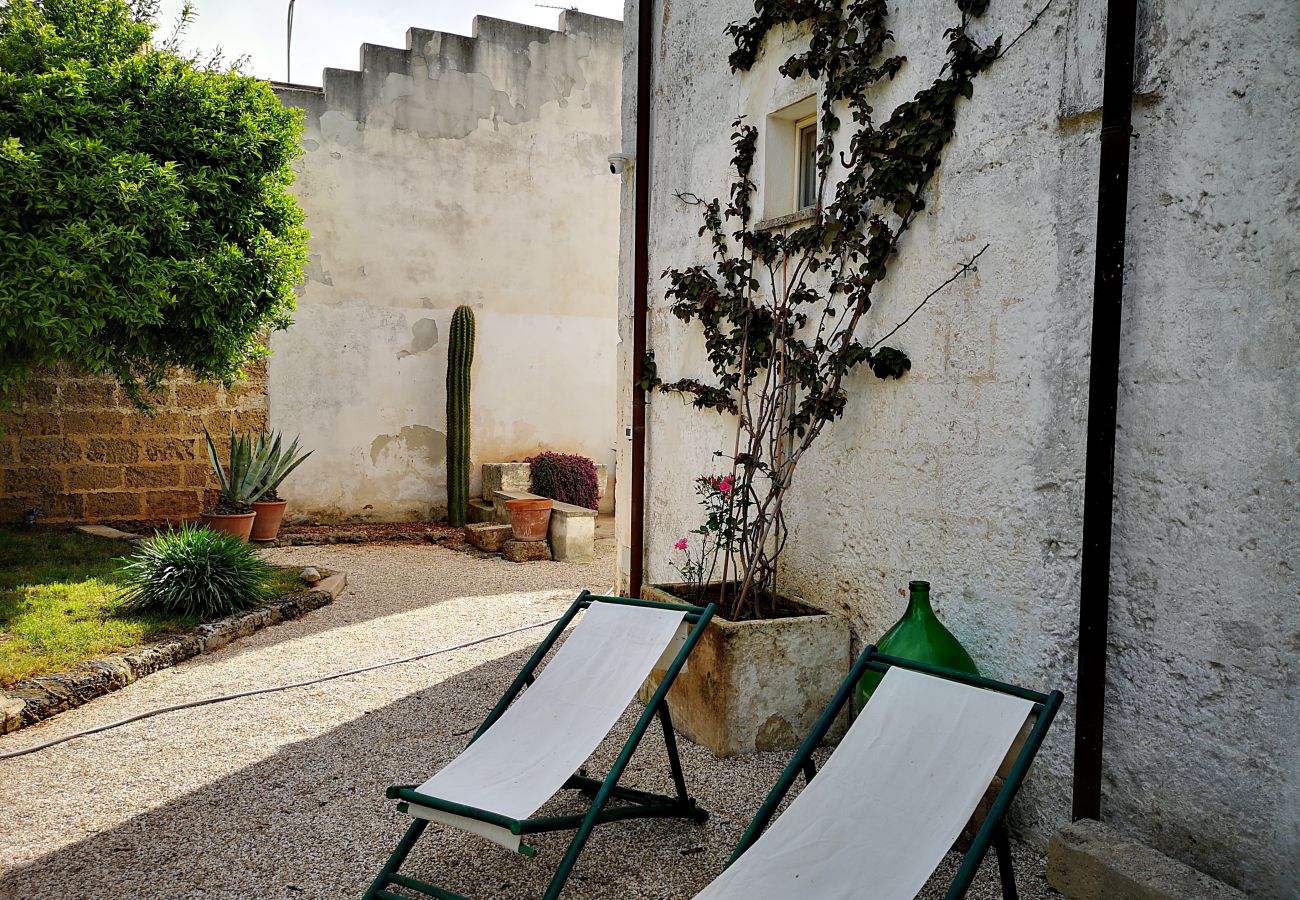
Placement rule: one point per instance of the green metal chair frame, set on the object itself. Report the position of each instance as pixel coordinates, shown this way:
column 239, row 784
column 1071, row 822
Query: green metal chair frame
column 992, row 832
column 639, row 804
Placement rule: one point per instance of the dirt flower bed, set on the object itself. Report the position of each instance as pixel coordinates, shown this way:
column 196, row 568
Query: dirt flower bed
column 370, row 532
column 307, row 533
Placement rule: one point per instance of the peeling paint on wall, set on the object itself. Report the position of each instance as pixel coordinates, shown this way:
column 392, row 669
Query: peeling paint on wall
column 424, row 334
column 414, row 443
column 314, row 271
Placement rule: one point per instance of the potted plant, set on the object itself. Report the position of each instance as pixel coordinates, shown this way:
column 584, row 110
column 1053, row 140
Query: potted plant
column 565, row 477
column 530, row 518
column 278, row 462
column 240, row 484
column 725, row 699
column 784, row 315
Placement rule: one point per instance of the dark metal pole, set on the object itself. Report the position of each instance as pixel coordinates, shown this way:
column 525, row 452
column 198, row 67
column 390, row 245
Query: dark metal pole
column 640, row 286
column 1103, row 393
column 288, row 47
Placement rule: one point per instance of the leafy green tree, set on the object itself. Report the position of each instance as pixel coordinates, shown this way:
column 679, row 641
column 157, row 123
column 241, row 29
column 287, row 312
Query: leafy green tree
column 145, row 215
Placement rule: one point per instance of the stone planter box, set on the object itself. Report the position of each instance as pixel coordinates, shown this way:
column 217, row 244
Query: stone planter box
column 756, row 686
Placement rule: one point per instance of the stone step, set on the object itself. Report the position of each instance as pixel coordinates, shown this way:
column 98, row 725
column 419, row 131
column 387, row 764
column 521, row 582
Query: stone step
column 526, row 551
column 1092, row 861
column 487, row 536
column 572, row 531
column 481, row 511
column 564, row 510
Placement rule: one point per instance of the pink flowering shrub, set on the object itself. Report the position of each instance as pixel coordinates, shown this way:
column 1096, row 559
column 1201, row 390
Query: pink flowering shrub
column 716, row 537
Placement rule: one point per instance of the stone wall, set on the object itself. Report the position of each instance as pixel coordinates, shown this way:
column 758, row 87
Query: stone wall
column 969, row 471
column 77, row 448
column 458, row 170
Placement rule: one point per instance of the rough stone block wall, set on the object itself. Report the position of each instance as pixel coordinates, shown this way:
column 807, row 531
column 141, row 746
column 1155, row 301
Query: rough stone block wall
column 78, row 449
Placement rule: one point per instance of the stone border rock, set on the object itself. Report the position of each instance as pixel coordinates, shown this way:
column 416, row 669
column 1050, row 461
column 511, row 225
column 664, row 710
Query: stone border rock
column 44, row 696
column 1092, row 861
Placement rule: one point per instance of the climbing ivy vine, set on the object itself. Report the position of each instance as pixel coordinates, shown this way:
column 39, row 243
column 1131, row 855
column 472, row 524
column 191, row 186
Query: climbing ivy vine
column 781, row 309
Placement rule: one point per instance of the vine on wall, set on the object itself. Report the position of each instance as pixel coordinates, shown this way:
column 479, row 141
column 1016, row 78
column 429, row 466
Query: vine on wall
column 780, row 312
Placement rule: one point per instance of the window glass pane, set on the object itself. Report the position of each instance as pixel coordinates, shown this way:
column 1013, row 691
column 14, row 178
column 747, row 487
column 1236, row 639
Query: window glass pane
column 807, row 195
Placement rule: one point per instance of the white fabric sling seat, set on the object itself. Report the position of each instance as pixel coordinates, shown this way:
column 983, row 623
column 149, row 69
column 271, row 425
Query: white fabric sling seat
column 547, row 734
column 546, row 726
column 877, row 819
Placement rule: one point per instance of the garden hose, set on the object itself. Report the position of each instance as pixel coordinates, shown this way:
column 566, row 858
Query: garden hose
column 270, row 690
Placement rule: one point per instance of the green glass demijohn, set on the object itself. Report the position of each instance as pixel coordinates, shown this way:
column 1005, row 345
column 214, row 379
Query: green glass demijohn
column 920, row 636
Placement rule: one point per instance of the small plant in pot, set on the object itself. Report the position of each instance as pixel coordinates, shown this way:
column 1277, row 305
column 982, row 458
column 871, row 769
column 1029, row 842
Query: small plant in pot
column 279, row 461
column 241, row 483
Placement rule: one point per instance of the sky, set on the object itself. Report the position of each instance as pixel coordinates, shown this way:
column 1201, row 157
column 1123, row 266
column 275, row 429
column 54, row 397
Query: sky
column 331, row 32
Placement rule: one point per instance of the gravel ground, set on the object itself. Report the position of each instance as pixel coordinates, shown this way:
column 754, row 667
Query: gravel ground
column 282, row 795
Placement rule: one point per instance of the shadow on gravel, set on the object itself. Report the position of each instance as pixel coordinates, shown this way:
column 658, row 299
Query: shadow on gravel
column 312, row 821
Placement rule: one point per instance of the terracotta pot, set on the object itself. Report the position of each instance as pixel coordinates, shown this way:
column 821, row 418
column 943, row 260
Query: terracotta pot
column 529, row 519
column 267, row 524
column 240, row 524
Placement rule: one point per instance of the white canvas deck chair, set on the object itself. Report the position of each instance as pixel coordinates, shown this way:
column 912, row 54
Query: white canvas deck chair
column 887, row 806
column 535, row 740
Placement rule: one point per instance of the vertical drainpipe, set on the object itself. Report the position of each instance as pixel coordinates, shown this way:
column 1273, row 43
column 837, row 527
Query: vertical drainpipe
column 1103, row 392
column 640, row 286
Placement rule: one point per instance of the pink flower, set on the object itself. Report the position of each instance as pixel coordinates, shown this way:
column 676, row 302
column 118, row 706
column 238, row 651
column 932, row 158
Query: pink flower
column 727, row 485
column 680, row 545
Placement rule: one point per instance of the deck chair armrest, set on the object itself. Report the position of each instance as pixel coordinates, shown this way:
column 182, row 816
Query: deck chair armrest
column 398, row 792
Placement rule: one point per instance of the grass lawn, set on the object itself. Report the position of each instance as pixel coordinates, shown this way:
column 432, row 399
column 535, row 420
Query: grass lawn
column 58, row 603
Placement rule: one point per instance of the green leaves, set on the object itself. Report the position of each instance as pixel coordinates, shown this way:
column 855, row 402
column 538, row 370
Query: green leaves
column 889, row 363
column 145, row 222
column 278, row 463
column 255, row 469
column 194, row 572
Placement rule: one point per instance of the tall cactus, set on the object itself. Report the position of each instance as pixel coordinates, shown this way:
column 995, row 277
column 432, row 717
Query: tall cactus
column 460, row 354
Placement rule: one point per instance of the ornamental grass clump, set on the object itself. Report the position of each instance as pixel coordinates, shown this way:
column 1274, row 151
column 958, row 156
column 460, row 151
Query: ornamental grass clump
column 565, row 477
column 192, row 571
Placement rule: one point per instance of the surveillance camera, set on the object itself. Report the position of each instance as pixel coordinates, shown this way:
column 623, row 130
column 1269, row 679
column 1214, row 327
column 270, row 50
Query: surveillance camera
column 619, row 163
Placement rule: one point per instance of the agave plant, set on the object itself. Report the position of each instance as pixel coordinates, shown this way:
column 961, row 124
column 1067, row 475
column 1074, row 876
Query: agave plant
column 256, row 467
column 242, row 483
column 279, row 461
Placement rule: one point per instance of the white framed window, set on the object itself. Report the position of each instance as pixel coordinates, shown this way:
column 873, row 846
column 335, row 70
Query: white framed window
column 789, row 182
column 805, row 156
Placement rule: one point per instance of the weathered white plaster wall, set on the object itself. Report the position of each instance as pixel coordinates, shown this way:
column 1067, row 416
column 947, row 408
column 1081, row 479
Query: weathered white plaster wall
column 969, row 471
column 459, row 170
